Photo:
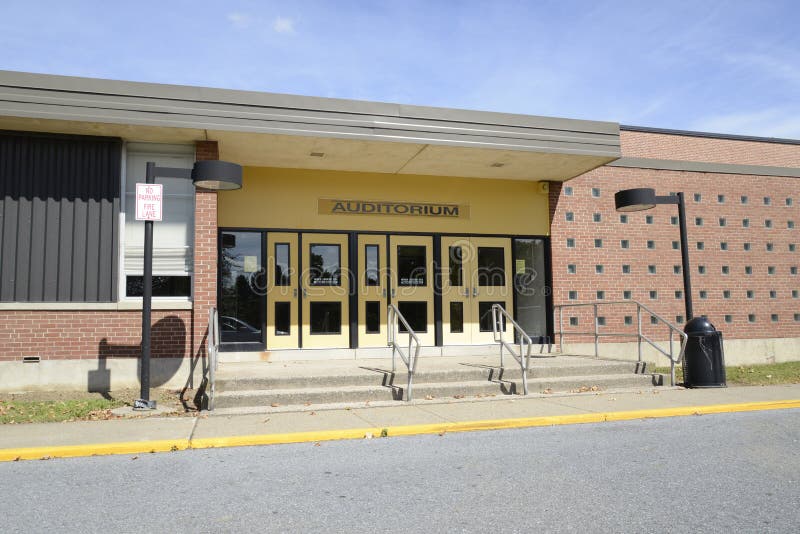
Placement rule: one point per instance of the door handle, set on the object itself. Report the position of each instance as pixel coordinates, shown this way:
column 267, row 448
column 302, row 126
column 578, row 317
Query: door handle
column 466, row 292
column 474, row 291
column 305, row 293
column 294, row 292
column 394, row 293
column 383, row 293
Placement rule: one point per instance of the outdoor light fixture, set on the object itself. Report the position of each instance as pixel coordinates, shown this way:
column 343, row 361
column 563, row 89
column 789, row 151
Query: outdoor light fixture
column 210, row 174
column 644, row 199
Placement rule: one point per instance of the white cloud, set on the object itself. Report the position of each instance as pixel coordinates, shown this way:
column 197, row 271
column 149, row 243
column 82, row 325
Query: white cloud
column 771, row 122
column 239, row 20
column 283, row 25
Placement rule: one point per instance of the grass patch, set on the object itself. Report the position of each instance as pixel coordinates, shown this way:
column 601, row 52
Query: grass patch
column 12, row 411
column 753, row 375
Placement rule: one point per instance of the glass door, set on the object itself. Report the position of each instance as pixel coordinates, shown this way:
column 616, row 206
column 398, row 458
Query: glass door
column 412, row 283
column 242, row 288
column 325, row 285
column 372, row 290
column 283, row 325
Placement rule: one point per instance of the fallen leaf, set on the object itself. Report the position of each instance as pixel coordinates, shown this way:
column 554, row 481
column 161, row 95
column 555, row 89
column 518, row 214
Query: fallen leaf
column 313, row 413
column 134, row 457
column 266, row 420
column 307, row 404
column 274, row 404
column 458, row 396
column 428, row 397
column 317, row 444
column 547, row 391
column 368, row 435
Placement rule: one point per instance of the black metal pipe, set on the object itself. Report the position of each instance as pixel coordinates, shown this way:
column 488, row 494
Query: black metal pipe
column 687, row 280
column 147, row 295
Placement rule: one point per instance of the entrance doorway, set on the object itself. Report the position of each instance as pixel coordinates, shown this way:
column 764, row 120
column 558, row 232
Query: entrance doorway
column 474, row 277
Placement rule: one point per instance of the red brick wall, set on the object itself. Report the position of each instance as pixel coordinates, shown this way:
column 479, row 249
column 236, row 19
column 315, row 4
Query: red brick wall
column 585, row 255
column 684, row 147
column 80, row 334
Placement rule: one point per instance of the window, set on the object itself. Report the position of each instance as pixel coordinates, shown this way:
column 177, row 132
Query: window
column 651, row 244
column 456, row 317
column 325, row 267
column 723, row 245
column 456, row 266
column 601, row 321
column 568, row 191
column 372, row 264
column 598, row 243
column 748, row 269
column 628, row 319
column 598, row 269
column 767, row 223
column 651, row 269
column 746, row 246
column 626, row 269
column 792, row 247
column 491, row 267
column 793, row 270
column 573, row 295
column 726, row 269
column 648, row 219
column 750, row 293
column 767, row 201
column 797, row 317
column 678, row 294
column 774, row 317
column 745, row 200
column 729, row 318
column 572, row 268
column 173, row 237
column 788, row 201
column 573, row 321
column 595, row 192
column 412, row 267
column 623, row 219
column 372, row 317
column 673, row 220
column 676, row 269
column 283, row 319
column 790, row 224
column 569, row 216
column 325, row 318
column 283, row 274
column 700, row 245
column 723, row 221
column 773, row 294
column 769, row 247
column 597, row 217
column 703, row 294
column 697, row 197
column 698, row 221
column 701, row 269
column 771, row 269
column 721, row 199
column 627, row 294
column 795, row 293
column 751, row 317
column 601, row 295
column 653, row 319
column 416, row 313
column 679, row 319
column 653, row 294
column 726, row 294
column 745, row 223
column 624, row 244
column 570, row 242
column 676, row 245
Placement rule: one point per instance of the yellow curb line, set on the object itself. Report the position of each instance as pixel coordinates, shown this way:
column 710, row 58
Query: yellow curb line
column 139, row 447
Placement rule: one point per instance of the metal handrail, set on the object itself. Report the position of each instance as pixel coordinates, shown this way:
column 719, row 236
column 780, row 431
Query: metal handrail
column 639, row 334
column 212, row 349
column 525, row 343
column 409, row 359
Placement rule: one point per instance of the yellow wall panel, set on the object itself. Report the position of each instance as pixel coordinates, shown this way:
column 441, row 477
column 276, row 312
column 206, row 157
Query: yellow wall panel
column 289, row 198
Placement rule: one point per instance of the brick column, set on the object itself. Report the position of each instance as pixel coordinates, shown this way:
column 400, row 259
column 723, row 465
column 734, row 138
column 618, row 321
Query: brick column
column 205, row 253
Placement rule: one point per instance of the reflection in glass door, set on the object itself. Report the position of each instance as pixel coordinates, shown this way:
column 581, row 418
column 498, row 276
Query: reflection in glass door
column 283, row 326
column 325, row 285
column 242, row 289
column 412, row 283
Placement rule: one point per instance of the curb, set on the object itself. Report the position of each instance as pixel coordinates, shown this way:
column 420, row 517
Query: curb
column 141, row 447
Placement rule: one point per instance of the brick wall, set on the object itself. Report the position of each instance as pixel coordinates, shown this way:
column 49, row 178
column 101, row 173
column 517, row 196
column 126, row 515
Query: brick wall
column 774, row 270
column 687, row 148
column 88, row 334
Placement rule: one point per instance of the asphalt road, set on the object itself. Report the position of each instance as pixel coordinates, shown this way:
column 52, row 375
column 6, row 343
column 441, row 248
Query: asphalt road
column 714, row 473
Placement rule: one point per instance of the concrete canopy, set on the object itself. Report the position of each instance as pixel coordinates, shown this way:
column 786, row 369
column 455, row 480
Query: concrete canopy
column 275, row 130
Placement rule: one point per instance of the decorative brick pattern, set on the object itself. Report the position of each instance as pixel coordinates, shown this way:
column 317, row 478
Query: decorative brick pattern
column 723, row 245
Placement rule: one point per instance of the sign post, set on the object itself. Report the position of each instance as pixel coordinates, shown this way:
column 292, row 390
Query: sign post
column 149, row 204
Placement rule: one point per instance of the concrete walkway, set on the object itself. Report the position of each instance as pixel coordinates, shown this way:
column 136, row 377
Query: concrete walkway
column 129, row 436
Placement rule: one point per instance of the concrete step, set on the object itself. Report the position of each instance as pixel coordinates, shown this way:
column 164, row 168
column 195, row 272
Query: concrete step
column 381, row 375
column 395, row 390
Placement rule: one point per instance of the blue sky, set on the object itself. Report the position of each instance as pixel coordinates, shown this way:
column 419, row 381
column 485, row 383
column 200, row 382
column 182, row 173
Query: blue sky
column 723, row 66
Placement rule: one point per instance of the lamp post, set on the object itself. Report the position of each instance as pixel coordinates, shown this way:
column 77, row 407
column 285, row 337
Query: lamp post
column 644, row 199
column 210, row 174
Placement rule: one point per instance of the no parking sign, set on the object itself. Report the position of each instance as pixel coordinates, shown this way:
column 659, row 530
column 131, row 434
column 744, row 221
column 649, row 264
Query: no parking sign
column 149, row 201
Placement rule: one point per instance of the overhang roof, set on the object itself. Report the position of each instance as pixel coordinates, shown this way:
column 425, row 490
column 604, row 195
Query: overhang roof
column 277, row 130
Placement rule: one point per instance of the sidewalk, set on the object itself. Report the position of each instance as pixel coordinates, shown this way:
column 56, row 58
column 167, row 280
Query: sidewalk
column 154, row 434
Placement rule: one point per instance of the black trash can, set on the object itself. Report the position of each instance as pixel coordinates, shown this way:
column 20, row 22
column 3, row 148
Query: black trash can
column 703, row 361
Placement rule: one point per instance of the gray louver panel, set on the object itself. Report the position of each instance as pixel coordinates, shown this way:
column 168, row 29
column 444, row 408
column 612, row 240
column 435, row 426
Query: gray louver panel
column 59, row 217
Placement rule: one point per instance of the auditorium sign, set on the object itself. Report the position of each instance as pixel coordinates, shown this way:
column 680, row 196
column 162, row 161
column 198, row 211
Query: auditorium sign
column 335, row 206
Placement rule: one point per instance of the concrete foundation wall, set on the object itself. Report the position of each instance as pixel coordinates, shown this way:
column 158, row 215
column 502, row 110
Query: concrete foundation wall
column 737, row 351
